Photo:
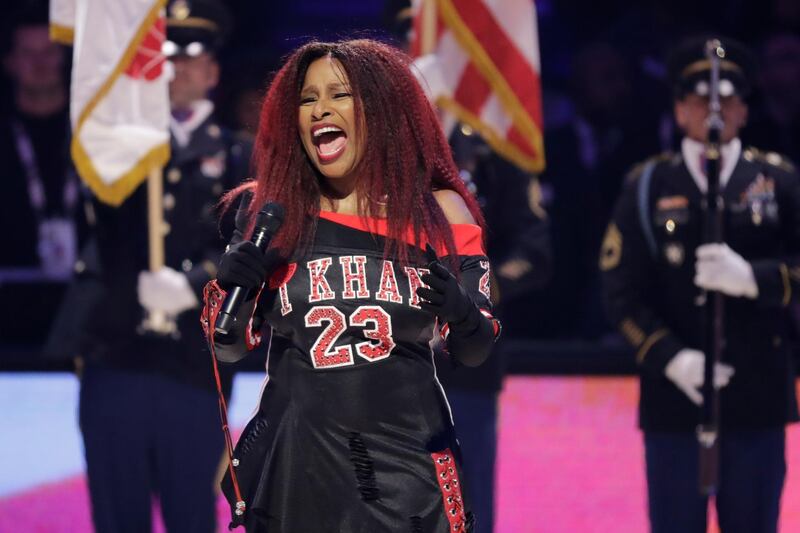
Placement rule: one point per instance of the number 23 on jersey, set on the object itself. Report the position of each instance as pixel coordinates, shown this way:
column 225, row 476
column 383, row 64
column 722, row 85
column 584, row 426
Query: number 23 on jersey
column 378, row 328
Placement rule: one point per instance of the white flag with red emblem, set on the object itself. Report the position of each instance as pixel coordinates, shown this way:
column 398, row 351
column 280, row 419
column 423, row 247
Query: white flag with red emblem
column 120, row 96
column 480, row 60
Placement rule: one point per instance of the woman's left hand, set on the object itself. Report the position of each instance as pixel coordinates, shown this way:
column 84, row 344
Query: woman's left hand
column 444, row 296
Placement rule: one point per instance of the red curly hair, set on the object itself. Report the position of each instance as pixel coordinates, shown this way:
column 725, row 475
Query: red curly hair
column 405, row 159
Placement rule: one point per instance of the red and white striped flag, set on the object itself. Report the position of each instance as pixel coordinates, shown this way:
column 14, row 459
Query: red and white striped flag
column 480, row 60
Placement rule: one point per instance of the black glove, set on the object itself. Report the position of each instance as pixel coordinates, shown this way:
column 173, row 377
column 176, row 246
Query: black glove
column 244, row 265
column 445, row 298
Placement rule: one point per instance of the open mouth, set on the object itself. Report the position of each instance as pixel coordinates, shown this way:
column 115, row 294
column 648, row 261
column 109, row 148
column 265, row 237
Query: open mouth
column 330, row 142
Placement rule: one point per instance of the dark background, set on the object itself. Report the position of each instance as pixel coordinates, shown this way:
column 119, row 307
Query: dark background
column 602, row 62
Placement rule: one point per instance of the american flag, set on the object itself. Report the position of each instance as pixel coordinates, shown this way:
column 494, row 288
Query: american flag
column 484, row 57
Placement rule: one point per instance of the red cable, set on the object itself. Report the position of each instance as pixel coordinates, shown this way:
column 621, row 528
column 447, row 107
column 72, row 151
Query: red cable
column 213, row 295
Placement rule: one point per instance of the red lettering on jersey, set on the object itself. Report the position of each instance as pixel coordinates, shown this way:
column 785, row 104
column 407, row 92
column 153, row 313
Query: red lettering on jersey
column 414, row 283
column 359, row 276
column 278, row 280
column 381, row 333
column 388, row 287
column 286, row 305
column 322, row 353
column 318, row 285
column 484, row 285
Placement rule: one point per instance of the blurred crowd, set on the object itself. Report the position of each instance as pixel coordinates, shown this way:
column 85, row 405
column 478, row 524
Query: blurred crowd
column 607, row 106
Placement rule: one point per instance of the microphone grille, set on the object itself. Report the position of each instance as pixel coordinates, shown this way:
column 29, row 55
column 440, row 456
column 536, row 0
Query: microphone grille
column 270, row 217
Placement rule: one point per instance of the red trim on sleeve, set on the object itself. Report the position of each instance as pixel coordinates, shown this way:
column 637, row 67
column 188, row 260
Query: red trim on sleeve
column 468, row 238
column 497, row 327
column 281, row 275
column 445, row 331
column 447, row 476
column 213, row 297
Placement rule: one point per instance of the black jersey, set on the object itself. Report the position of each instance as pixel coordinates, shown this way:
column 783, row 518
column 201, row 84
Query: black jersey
column 353, row 431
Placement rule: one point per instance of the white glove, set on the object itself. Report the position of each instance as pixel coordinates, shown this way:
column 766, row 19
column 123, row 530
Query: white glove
column 686, row 370
column 166, row 290
column 719, row 268
column 428, row 71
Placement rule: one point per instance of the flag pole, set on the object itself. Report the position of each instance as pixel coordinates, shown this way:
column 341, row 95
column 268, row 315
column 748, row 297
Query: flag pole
column 156, row 321
column 428, row 37
column 155, row 218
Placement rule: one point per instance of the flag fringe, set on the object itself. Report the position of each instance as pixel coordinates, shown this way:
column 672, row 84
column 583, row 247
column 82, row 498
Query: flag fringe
column 62, row 34
column 496, row 140
column 116, row 192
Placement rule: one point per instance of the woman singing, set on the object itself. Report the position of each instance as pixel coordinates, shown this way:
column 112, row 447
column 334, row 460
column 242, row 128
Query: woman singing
column 383, row 249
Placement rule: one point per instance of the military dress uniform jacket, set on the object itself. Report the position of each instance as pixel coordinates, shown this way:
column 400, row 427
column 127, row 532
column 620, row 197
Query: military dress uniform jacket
column 648, row 264
column 196, row 176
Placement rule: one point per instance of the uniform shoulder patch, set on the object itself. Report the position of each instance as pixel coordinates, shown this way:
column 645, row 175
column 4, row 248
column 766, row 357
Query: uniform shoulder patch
column 636, row 171
column 611, row 250
column 536, row 199
column 773, row 159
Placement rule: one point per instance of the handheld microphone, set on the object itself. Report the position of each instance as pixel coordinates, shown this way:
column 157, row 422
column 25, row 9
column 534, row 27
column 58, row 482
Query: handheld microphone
column 268, row 221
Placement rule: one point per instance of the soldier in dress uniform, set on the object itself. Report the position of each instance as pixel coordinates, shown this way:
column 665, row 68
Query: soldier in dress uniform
column 148, row 406
column 656, row 273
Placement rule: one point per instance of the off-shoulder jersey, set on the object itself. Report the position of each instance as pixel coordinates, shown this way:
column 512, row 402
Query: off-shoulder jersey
column 353, row 431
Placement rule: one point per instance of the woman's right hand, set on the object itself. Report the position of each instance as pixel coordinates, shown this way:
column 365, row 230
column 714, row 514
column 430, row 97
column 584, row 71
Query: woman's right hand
column 244, row 265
